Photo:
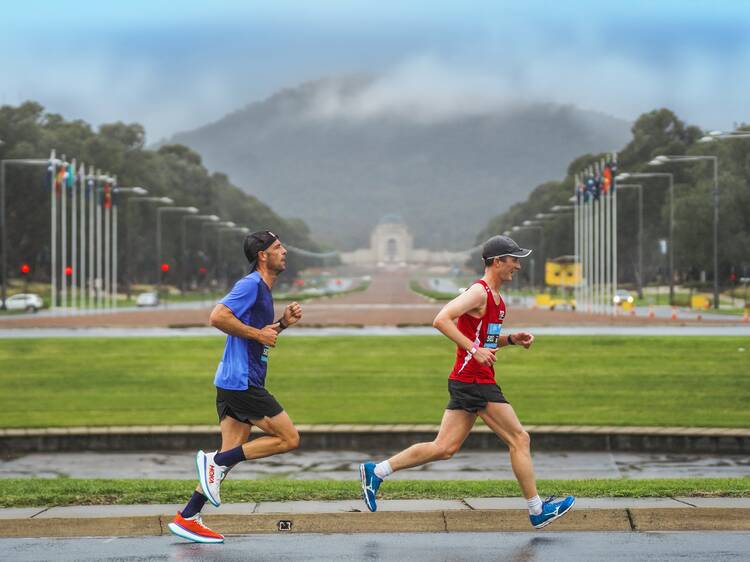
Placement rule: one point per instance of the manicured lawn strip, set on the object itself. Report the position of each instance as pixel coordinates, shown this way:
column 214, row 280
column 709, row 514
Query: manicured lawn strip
column 562, row 380
column 18, row 492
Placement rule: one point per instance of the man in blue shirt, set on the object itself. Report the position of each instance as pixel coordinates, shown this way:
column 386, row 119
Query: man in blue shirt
column 246, row 316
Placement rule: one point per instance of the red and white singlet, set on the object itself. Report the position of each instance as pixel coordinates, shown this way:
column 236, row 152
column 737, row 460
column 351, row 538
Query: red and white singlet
column 484, row 332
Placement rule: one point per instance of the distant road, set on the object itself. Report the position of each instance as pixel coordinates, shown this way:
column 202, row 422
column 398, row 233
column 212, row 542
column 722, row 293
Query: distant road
column 388, row 301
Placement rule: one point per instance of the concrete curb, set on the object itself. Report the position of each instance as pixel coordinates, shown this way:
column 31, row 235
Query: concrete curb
column 381, row 437
column 654, row 519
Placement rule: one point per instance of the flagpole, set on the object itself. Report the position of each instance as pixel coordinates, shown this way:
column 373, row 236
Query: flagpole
column 585, row 243
column 113, row 299
column 613, row 188
column 73, row 241
column 575, row 238
column 53, row 230
column 63, row 235
column 606, row 240
column 91, row 197
column 107, row 241
column 98, row 244
column 82, row 234
column 589, row 247
column 602, row 246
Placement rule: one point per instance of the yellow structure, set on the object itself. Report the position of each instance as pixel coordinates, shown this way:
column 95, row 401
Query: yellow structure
column 562, row 272
column 700, row 301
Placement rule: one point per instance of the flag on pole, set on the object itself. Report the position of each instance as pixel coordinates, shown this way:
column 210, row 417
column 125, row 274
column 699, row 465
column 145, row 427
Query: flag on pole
column 597, row 185
column 613, row 172
column 590, row 189
column 70, row 176
column 607, row 179
column 60, row 179
column 580, row 189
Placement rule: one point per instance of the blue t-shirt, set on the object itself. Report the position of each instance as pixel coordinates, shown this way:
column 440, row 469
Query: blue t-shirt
column 244, row 361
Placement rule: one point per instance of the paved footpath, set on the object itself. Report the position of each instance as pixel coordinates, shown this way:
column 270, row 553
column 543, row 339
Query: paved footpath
column 347, row 516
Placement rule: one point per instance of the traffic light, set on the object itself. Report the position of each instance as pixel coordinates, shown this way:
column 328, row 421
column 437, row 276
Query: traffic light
column 165, row 268
column 202, row 270
column 25, row 269
column 68, row 271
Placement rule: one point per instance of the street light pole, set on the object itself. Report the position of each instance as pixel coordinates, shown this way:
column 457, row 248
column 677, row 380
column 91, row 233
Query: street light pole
column 670, row 177
column 211, row 218
column 117, row 192
column 639, row 187
column 159, row 211
column 659, row 160
column 220, row 231
column 3, row 223
column 529, row 225
column 214, row 261
column 128, row 238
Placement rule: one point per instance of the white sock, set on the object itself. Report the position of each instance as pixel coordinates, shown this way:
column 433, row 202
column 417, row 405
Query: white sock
column 383, row 469
column 535, row 505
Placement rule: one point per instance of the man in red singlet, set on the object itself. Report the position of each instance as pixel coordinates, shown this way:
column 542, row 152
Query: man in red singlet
column 473, row 320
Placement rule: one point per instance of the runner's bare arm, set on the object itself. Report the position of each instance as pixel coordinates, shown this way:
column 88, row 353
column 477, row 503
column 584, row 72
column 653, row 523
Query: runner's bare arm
column 445, row 321
column 224, row 319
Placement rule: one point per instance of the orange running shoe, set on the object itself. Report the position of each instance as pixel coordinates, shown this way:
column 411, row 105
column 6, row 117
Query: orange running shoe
column 193, row 529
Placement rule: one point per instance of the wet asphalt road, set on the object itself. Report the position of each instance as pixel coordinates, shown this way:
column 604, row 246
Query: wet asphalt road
column 526, row 547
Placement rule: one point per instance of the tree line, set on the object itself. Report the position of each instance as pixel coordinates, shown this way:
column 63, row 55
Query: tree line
column 174, row 171
column 656, row 133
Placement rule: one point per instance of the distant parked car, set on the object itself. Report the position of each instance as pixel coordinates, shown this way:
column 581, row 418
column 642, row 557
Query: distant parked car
column 147, row 299
column 24, row 301
column 621, row 297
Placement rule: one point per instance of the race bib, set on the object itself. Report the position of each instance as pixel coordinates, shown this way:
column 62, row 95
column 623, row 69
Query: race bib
column 493, row 336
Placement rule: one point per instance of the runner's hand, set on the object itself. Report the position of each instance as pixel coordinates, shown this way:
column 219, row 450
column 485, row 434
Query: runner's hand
column 523, row 338
column 268, row 335
column 292, row 314
column 485, row 356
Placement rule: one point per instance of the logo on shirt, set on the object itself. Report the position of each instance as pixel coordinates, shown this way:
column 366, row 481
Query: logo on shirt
column 264, row 355
column 502, row 315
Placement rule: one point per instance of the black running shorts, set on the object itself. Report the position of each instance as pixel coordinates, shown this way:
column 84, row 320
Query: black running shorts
column 471, row 396
column 246, row 405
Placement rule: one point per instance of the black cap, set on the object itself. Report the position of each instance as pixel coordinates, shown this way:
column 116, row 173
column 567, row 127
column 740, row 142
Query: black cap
column 499, row 246
column 257, row 242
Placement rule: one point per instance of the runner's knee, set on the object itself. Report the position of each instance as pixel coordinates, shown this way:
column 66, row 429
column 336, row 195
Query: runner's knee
column 290, row 441
column 520, row 440
column 446, row 450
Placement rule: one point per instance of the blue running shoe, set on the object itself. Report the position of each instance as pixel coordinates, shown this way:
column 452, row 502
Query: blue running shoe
column 551, row 510
column 370, row 484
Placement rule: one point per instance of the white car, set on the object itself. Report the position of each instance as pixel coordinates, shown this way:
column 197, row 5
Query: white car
column 147, row 299
column 24, row 301
column 621, row 297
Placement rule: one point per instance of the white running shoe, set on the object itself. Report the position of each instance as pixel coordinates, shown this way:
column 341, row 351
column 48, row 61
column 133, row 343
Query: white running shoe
column 210, row 476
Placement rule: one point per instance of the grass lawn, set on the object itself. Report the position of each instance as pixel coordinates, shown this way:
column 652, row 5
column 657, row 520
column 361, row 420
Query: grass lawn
column 681, row 381
column 65, row 491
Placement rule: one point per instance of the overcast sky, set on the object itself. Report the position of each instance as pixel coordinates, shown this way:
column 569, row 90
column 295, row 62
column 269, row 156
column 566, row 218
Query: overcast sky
column 175, row 65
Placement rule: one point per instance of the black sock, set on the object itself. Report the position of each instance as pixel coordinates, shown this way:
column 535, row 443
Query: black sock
column 195, row 504
column 230, row 457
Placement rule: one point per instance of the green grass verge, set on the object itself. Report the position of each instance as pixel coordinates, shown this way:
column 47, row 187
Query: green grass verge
column 569, row 380
column 420, row 289
column 16, row 492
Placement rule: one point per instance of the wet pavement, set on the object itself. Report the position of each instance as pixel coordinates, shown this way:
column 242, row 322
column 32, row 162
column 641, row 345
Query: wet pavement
column 342, row 465
column 526, row 547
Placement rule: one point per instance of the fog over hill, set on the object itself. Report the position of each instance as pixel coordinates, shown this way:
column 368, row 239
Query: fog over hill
column 342, row 152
